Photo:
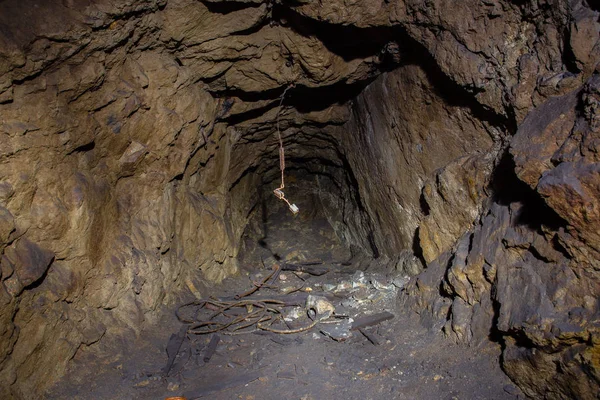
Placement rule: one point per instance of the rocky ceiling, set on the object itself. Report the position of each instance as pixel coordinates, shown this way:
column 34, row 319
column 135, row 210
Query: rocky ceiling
column 460, row 141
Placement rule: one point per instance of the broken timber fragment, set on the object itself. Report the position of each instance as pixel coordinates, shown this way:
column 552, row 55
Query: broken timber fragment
column 173, row 347
column 371, row 337
column 371, row 320
column 286, row 375
column 212, row 347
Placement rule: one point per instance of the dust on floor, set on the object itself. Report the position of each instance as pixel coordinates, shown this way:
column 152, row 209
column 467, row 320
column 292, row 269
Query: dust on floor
column 393, row 358
column 401, row 360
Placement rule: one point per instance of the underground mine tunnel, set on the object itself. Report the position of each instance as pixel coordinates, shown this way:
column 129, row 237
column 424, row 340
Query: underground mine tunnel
column 248, row 199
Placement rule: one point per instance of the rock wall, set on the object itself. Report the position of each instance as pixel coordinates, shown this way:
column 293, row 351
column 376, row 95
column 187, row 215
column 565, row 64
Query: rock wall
column 423, row 165
column 98, row 228
column 503, row 211
column 458, row 138
column 131, row 131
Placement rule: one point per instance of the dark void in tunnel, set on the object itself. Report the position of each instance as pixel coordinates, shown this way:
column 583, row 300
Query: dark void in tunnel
column 274, row 234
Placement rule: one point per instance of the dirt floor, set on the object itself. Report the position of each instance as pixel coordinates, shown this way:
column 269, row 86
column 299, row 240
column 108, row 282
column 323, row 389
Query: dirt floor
column 390, row 357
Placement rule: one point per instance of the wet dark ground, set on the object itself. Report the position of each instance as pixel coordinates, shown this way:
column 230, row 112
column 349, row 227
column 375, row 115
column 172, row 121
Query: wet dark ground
column 405, row 362
column 409, row 364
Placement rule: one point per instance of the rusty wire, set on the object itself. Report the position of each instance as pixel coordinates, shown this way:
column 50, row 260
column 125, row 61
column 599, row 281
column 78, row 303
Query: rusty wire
column 261, row 314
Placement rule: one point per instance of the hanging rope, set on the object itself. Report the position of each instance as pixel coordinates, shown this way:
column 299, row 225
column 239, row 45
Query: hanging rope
column 279, row 191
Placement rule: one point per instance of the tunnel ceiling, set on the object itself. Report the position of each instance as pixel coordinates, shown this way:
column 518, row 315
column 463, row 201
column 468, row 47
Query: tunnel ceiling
column 456, row 142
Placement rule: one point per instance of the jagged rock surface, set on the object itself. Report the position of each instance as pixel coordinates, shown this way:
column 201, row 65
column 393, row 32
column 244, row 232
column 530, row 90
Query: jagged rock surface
column 136, row 135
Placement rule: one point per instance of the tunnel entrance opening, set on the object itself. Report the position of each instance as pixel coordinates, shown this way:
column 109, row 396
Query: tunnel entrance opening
column 274, row 234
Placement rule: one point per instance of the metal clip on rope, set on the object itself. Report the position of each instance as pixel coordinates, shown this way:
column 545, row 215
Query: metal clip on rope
column 280, row 195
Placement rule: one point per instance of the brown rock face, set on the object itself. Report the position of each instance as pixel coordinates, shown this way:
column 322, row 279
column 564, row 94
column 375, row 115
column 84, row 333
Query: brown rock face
column 454, row 141
column 28, row 261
